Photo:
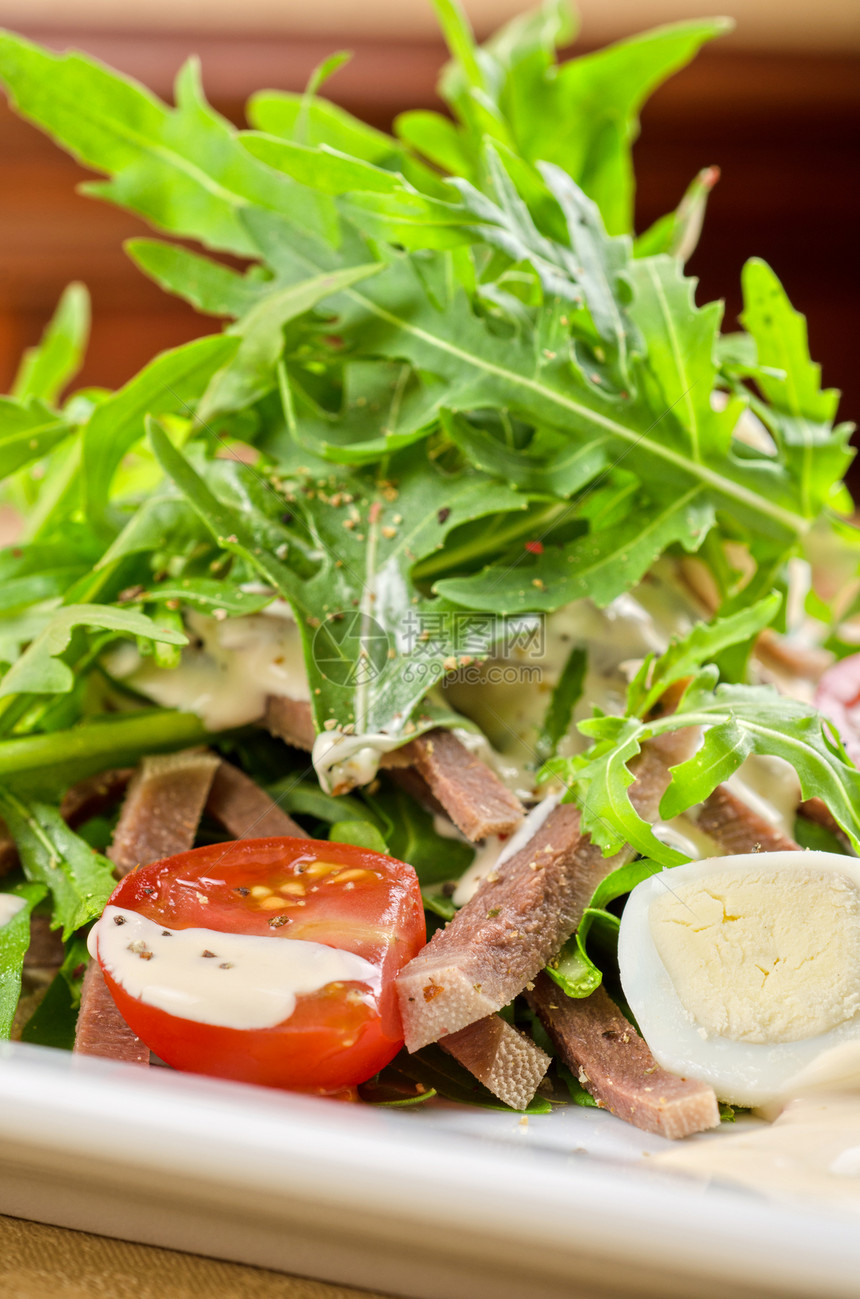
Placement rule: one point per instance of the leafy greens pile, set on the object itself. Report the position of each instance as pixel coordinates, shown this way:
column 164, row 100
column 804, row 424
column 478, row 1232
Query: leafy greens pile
column 452, row 379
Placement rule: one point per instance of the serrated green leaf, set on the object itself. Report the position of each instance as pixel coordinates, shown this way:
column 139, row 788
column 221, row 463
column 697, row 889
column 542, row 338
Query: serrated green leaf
column 251, row 372
column 79, row 880
column 46, row 369
column 14, row 941
column 40, row 670
column 680, row 340
column 182, row 168
column 28, row 429
column 211, row 287
column 704, row 644
column 599, row 565
column 173, row 383
column 800, row 413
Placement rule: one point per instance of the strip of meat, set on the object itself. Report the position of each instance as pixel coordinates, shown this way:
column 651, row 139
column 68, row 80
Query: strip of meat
column 8, row 852
column 94, row 795
column 101, row 1029
column 159, row 817
column 291, row 720
column 522, row 914
column 507, row 1062
column 246, row 811
column 737, row 828
column 45, row 954
column 471, row 794
column 816, row 810
column 613, row 1063
column 162, row 808
column 417, row 788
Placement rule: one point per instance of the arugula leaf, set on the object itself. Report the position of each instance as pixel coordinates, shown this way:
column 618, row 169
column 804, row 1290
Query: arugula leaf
column 45, row 370
column 251, row 372
column 599, row 565
column 678, row 232
column 40, row 670
column 53, row 761
column 413, row 838
column 361, row 833
column 214, row 289
column 170, row 383
column 703, row 644
column 573, row 969
column 800, row 413
column 360, row 600
column 14, row 941
column 28, row 429
column 79, row 879
column 565, row 696
column 182, row 169
column 54, row 1021
column 737, row 720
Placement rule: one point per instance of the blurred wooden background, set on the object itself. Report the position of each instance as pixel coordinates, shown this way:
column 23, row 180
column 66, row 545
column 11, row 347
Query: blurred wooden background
column 783, row 124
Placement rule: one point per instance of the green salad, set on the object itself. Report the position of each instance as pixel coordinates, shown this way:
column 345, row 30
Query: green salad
column 454, row 414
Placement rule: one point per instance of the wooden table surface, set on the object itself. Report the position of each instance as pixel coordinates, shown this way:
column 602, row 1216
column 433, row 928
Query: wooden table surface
column 38, row 1262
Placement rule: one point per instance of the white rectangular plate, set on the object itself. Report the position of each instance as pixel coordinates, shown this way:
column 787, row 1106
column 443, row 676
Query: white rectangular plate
column 435, row 1201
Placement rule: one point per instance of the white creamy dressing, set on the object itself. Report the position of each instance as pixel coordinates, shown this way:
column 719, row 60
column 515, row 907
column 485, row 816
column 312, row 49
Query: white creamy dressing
column 495, row 852
column 810, row 1151
column 508, row 697
column 244, row 981
column 343, row 761
column 225, row 677
column 10, row 905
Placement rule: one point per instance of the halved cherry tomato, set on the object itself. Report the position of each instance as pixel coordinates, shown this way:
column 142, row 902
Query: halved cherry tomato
column 335, row 894
column 837, row 696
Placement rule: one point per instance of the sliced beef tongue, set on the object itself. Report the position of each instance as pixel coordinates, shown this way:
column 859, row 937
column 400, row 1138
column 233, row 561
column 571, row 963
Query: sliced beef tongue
column 521, row 915
column 613, row 1063
column 469, row 791
column 244, row 810
column 507, row 1062
column 737, row 828
column 162, row 808
column 159, row 817
column 101, row 1029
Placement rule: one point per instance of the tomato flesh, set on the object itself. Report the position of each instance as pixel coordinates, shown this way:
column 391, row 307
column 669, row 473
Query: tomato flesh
column 336, row 894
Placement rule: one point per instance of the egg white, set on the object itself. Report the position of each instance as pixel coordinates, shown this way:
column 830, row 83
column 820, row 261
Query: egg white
column 741, row 1072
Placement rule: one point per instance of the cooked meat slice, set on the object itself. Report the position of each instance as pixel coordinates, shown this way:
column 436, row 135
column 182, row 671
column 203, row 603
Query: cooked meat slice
column 815, row 809
column 507, row 1062
column 737, row 828
column 416, row 787
column 291, row 720
column 46, row 952
column 521, row 914
column 94, row 795
column 8, row 852
column 159, row 817
column 246, row 811
column 101, row 1029
column 613, row 1063
column 471, row 794
column 162, row 808
column 517, row 920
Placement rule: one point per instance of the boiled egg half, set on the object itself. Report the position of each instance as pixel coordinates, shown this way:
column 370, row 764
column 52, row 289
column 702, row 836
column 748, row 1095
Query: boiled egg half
column 743, row 971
